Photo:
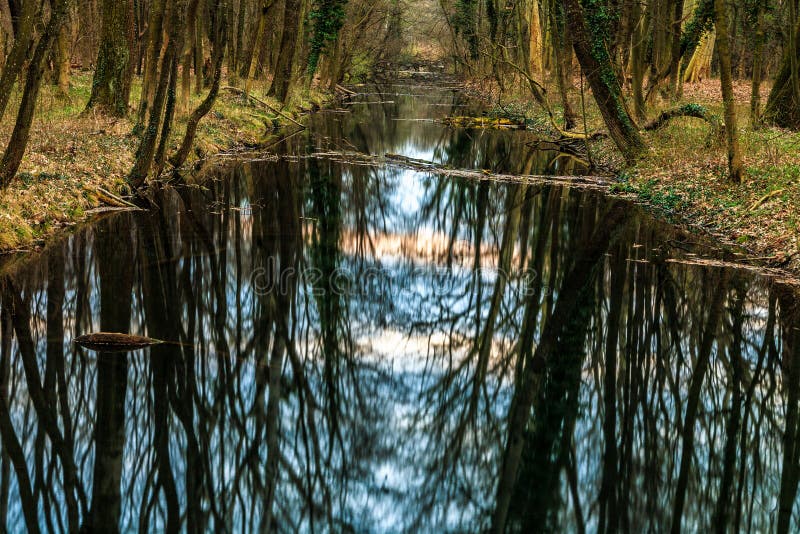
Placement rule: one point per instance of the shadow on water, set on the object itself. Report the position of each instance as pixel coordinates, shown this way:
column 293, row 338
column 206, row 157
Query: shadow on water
column 374, row 349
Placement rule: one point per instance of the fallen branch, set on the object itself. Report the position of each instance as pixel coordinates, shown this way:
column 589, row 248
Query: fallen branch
column 763, row 199
column 784, row 276
column 346, row 90
column 374, row 102
column 112, row 199
column 483, row 122
column 237, row 91
column 110, row 209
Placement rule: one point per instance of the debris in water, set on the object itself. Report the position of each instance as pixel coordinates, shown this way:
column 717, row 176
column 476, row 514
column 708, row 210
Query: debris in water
column 114, row 342
column 483, row 122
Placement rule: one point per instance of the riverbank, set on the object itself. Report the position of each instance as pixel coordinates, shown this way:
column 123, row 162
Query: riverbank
column 76, row 162
column 682, row 175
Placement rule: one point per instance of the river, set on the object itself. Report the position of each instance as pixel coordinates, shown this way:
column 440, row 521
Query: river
column 360, row 347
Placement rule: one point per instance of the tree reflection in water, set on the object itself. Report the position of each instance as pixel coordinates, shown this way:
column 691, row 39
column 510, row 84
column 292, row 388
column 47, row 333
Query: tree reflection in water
column 373, row 349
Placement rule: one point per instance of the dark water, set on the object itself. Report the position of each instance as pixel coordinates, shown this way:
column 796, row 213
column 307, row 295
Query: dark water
column 370, row 349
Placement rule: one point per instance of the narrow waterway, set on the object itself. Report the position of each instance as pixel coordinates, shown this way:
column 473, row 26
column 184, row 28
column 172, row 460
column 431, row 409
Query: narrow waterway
column 362, row 348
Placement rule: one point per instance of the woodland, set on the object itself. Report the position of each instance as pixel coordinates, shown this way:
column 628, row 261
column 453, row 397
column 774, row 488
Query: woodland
column 399, row 265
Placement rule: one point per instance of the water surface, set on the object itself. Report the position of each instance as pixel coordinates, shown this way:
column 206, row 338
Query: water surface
column 372, row 349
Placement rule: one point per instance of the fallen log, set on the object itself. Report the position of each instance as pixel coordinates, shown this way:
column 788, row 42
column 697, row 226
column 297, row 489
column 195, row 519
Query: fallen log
column 237, row 91
column 501, row 123
column 398, row 160
column 689, row 110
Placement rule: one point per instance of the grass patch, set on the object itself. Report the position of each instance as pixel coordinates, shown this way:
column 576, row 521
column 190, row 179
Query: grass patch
column 683, row 171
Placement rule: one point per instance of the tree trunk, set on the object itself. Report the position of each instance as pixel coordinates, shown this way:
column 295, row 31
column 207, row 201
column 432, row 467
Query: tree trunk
column 147, row 148
column 782, row 108
column 562, row 50
column 199, row 57
column 19, row 137
column 587, row 30
column 111, row 86
column 186, row 71
column 735, row 169
column 638, row 50
column 23, row 38
column 169, row 111
column 62, row 58
column 6, row 35
column 283, row 71
column 758, row 60
column 155, row 29
column 254, row 45
column 699, row 65
column 230, row 37
column 243, row 11
column 675, row 59
column 221, row 20
column 535, row 41
column 794, row 76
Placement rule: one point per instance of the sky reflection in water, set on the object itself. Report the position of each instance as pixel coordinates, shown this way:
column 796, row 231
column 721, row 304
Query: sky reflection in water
column 378, row 350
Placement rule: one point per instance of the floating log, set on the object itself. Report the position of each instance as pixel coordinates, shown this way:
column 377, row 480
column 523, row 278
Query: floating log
column 114, row 342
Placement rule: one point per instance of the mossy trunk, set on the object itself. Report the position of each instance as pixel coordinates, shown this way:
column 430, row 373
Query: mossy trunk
column 783, row 108
column 240, row 26
column 587, row 26
column 735, row 168
column 169, row 112
column 62, row 58
column 111, row 86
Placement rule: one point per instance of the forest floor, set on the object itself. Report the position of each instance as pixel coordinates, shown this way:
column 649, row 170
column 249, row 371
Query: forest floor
column 75, row 158
column 682, row 175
